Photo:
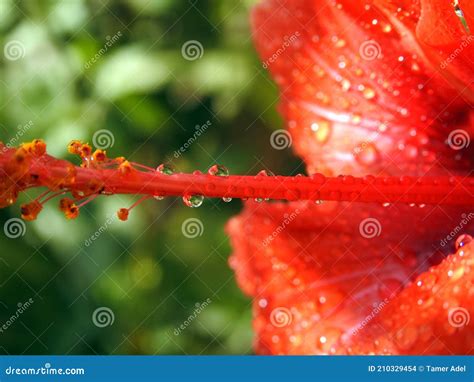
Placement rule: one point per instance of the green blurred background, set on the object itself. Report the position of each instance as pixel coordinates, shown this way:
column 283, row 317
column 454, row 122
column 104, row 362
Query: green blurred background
column 151, row 97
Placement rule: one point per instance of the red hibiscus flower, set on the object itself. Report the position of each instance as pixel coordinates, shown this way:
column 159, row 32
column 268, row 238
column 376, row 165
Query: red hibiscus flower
column 381, row 87
column 379, row 90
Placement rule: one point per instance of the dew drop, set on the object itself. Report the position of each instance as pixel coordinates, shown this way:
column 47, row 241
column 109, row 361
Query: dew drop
column 165, row 169
column 386, row 28
column 463, row 240
column 227, row 200
column 321, row 130
column 218, row 170
column 406, row 337
column 265, row 173
column 356, row 119
column 158, row 197
column 193, row 201
column 368, row 93
column 345, row 85
column 368, row 156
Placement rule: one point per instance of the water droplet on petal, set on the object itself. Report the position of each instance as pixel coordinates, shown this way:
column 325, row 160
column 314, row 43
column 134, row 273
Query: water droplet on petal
column 368, row 156
column 387, row 28
column 345, row 85
column 193, row 201
column 158, row 197
column 368, row 93
column 463, row 240
column 227, row 200
column 218, row 170
column 322, row 130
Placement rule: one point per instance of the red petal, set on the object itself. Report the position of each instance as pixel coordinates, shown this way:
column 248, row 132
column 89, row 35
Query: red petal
column 316, row 272
column 433, row 315
column 358, row 92
column 449, row 45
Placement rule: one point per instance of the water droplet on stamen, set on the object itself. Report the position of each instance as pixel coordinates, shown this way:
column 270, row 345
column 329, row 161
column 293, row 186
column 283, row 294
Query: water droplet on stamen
column 193, row 201
column 218, row 170
column 165, row 169
column 265, row 173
